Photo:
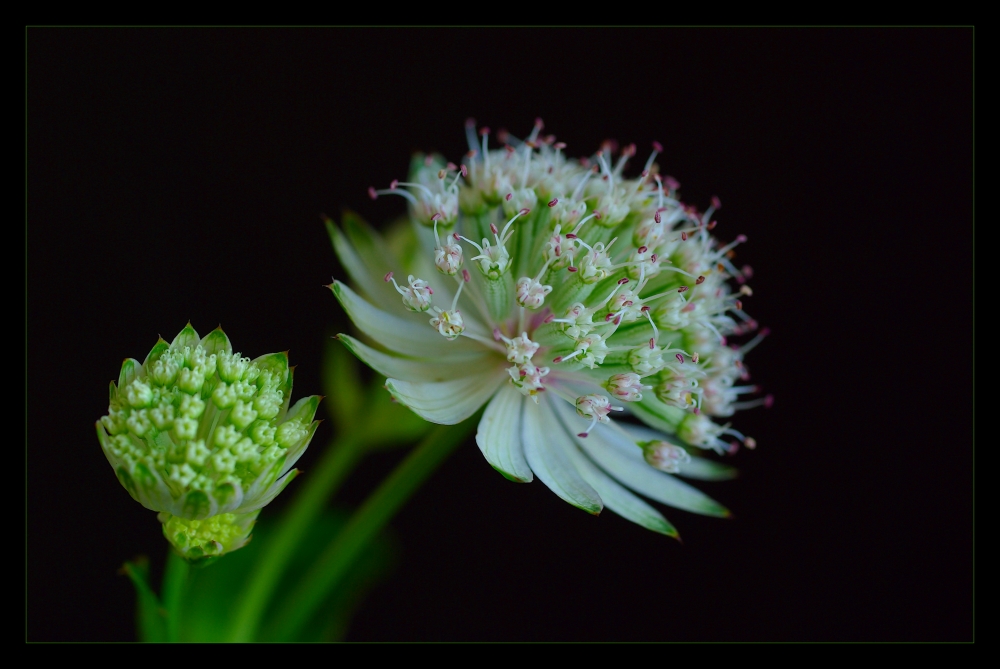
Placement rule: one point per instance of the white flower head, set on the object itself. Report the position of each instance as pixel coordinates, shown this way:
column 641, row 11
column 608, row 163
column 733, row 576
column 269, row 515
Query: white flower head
column 591, row 289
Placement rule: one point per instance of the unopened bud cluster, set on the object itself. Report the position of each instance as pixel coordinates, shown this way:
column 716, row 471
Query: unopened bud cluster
column 206, row 437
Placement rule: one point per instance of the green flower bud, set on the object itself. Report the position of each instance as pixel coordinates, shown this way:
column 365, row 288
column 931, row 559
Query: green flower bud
column 204, row 540
column 206, row 437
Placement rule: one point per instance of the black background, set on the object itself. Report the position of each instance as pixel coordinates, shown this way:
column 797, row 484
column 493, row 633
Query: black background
column 180, row 174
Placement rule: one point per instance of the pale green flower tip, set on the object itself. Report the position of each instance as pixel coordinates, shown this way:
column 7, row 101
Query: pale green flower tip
column 198, row 430
column 199, row 541
column 664, row 456
column 432, row 190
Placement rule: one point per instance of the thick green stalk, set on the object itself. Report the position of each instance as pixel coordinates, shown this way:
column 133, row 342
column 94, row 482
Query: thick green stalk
column 175, row 578
column 337, row 461
column 365, row 524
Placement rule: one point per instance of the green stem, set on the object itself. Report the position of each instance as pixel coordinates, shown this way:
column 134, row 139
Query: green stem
column 149, row 610
column 364, row 525
column 174, row 584
column 338, row 460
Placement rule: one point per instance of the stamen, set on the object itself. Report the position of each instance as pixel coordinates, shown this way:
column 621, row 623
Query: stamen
column 458, row 293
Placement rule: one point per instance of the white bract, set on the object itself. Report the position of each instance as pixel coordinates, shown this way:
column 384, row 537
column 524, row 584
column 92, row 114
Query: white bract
column 206, row 437
column 588, row 296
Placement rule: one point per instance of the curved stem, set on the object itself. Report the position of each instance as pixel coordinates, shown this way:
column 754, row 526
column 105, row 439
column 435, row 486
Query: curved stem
column 365, row 524
column 338, row 460
column 175, row 579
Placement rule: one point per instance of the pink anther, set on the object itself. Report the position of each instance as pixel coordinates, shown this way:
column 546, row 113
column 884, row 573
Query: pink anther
column 465, row 276
column 657, row 146
column 387, row 277
column 680, row 358
column 700, row 280
column 553, row 202
column 372, row 194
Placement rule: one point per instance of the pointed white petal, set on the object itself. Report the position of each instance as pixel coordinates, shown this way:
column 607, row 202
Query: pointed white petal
column 447, row 402
column 398, row 334
column 606, row 446
column 698, row 468
column 539, row 428
column 417, row 369
column 614, row 495
column 499, row 434
column 366, row 258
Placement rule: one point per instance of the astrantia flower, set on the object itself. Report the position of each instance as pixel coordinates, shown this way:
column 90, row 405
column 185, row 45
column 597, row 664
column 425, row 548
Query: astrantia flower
column 562, row 296
column 206, row 437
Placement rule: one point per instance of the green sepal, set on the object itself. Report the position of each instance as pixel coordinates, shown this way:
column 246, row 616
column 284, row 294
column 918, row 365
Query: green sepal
column 224, row 493
column 146, row 483
column 304, row 410
column 196, row 505
column 159, row 348
column 128, row 483
column 216, row 341
column 112, row 393
column 277, row 364
column 186, row 337
column 130, row 370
